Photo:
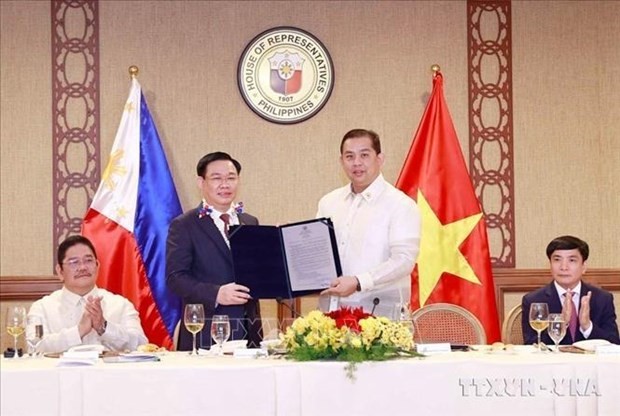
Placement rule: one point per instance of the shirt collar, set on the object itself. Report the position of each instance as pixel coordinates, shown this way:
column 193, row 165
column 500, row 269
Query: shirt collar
column 74, row 298
column 372, row 192
column 215, row 214
column 561, row 291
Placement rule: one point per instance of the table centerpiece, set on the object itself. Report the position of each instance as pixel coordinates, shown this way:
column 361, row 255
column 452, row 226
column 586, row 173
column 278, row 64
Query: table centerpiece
column 347, row 334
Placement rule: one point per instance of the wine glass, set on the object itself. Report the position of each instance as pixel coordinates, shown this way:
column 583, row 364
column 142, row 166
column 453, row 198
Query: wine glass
column 194, row 320
column 556, row 328
column 220, row 331
column 16, row 323
column 34, row 334
column 539, row 319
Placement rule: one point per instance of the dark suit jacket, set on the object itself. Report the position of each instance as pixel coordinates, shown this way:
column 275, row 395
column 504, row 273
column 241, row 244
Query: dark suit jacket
column 198, row 262
column 602, row 314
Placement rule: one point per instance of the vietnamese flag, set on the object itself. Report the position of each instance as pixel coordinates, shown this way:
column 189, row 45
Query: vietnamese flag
column 129, row 217
column 454, row 265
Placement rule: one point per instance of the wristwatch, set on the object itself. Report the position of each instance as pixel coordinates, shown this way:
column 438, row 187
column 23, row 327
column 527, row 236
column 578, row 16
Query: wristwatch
column 101, row 330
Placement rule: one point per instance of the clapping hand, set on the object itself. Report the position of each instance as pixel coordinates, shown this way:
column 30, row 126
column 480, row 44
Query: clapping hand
column 85, row 325
column 584, row 312
column 95, row 311
column 92, row 317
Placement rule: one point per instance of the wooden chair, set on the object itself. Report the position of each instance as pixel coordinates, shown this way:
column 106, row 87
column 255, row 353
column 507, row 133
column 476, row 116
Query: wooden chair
column 288, row 310
column 445, row 322
column 512, row 331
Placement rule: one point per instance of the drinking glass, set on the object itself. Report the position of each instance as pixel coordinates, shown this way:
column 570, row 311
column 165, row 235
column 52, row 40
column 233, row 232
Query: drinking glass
column 556, row 328
column 194, row 320
column 220, row 331
column 402, row 314
column 15, row 323
column 539, row 319
column 34, row 334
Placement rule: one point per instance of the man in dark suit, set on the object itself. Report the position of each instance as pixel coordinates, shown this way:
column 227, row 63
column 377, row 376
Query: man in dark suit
column 593, row 307
column 199, row 265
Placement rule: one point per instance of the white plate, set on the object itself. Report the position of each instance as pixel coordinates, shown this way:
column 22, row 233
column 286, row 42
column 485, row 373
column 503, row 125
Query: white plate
column 270, row 343
column 590, row 344
column 480, row 348
column 228, row 347
column 511, row 350
column 525, row 349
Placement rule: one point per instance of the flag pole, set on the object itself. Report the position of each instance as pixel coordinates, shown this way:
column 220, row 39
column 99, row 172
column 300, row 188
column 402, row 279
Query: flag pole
column 435, row 68
column 133, row 71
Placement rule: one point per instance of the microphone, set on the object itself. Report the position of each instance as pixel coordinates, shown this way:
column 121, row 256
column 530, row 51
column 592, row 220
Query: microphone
column 280, row 301
column 375, row 302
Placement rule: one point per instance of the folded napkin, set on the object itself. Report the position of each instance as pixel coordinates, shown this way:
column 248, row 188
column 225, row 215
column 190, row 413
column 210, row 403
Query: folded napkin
column 80, row 355
column 98, row 348
column 78, row 358
column 132, row 357
column 436, row 348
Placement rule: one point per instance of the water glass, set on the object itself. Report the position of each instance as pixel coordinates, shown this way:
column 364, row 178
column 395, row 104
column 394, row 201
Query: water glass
column 220, row 331
column 556, row 329
column 402, row 314
column 34, row 334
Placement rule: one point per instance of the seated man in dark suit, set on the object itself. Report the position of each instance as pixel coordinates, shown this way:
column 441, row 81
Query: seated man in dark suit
column 594, row 307
column 199, row 264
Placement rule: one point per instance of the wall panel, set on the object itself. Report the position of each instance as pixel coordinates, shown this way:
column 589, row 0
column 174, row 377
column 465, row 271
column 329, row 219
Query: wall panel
column 566, row 73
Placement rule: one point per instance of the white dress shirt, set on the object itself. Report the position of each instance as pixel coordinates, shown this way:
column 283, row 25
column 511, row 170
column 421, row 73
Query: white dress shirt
column 378, row 235
column 219, row 223
column 60, row 313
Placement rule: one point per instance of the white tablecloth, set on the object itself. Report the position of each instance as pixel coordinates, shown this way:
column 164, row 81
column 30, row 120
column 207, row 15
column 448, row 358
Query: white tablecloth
column 452, row 384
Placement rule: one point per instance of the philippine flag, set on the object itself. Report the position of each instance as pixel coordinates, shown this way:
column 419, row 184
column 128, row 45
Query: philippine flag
column 129, row 217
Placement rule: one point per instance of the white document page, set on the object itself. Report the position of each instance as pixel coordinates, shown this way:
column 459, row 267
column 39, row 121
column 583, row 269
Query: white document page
column 309, row 255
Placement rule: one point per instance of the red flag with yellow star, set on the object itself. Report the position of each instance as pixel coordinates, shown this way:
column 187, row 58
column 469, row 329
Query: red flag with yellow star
column 454, row 264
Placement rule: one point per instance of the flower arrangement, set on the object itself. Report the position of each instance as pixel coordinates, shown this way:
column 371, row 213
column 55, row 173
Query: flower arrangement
column 347, row 335
column 207, row 209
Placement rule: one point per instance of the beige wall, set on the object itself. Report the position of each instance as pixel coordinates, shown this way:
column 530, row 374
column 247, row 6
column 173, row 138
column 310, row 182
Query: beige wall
column 25, row 138
column 566, row 75
column 567, row 127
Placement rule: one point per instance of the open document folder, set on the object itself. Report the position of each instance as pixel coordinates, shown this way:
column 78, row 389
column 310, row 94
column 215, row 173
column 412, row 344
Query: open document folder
column 285, row 261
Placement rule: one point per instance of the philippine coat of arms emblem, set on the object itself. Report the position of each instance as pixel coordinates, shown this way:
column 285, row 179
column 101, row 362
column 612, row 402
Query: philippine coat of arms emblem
column 286, row 72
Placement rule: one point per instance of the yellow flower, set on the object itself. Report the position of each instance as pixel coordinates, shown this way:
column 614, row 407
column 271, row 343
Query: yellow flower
column 316, row 336
column 300, row 325
column 356, row 341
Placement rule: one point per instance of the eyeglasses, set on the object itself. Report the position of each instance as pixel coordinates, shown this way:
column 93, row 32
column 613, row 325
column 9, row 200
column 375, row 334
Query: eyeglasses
column 74, row 264
column 221, row 180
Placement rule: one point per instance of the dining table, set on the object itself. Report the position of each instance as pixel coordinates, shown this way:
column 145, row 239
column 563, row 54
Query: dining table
column 481, row 382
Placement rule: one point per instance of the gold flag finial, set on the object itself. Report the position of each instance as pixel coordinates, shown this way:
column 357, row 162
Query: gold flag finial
column 133, row 71
column 435, row 68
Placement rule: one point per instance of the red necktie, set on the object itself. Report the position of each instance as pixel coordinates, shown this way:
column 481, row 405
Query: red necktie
column 572, row 323
column 226, row 219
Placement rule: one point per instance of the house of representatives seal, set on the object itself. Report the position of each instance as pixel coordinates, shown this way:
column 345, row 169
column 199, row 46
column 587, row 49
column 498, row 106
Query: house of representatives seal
column 285, row 75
